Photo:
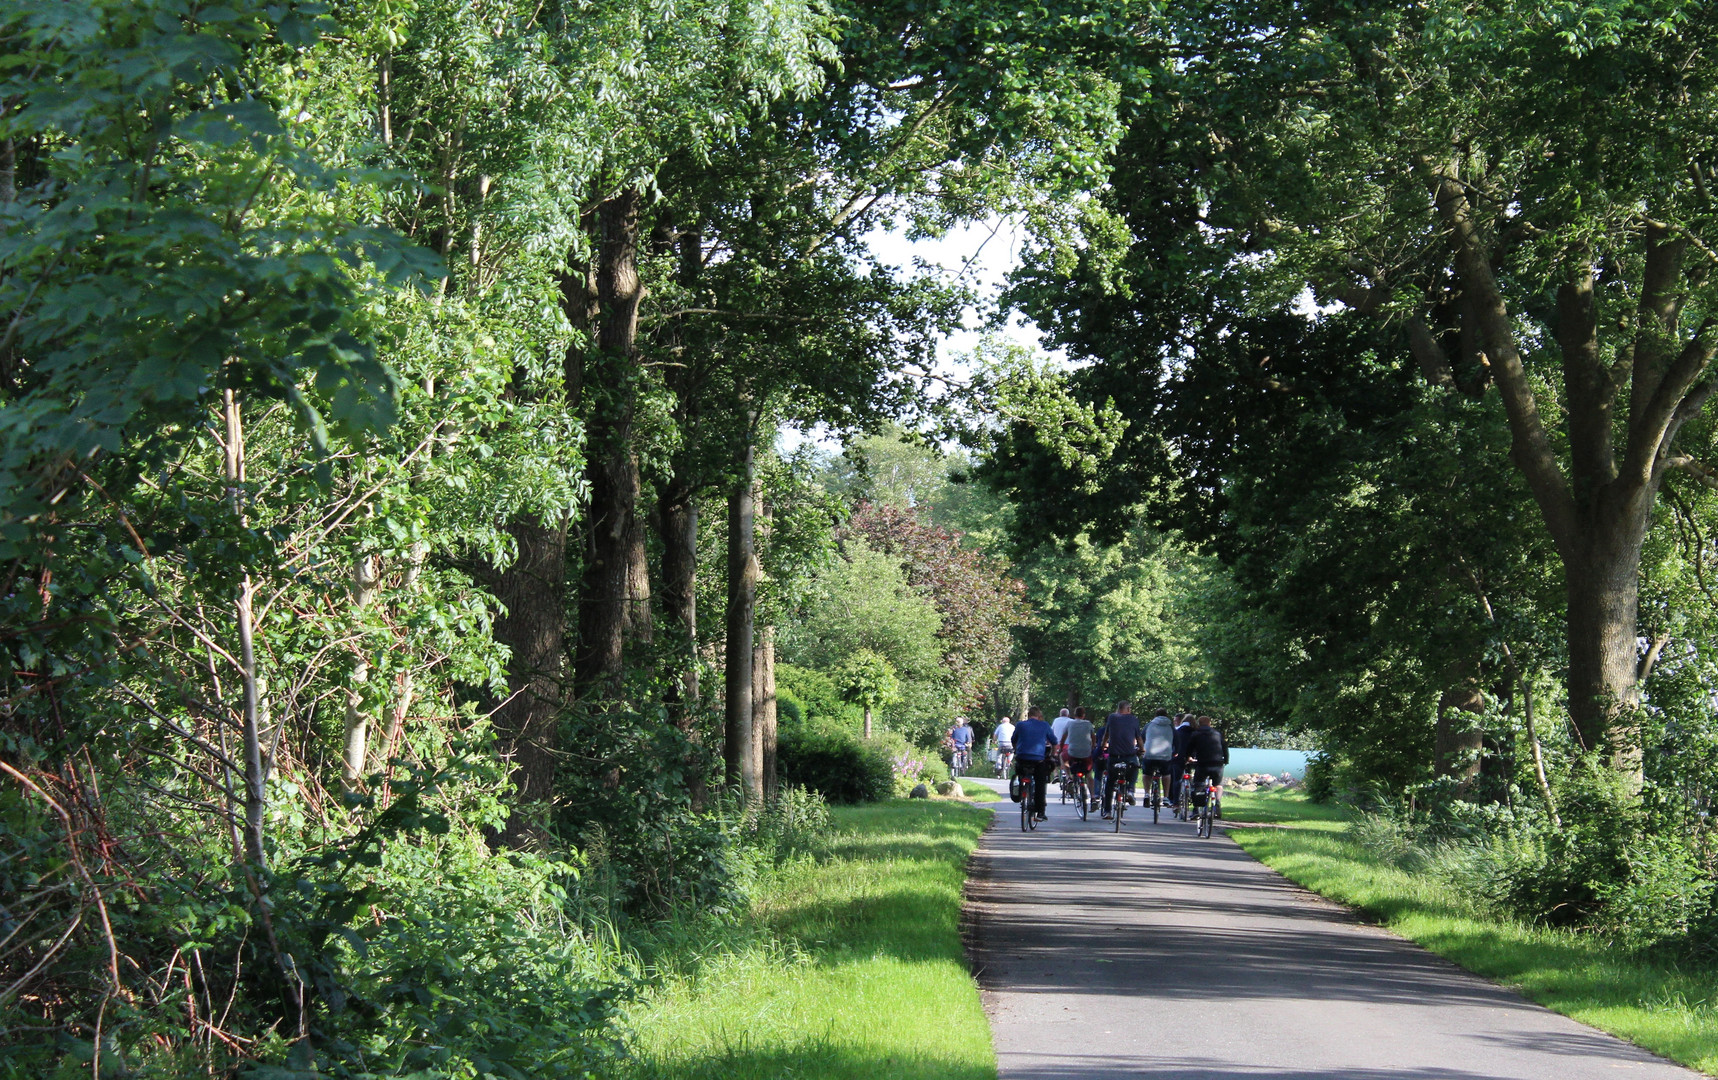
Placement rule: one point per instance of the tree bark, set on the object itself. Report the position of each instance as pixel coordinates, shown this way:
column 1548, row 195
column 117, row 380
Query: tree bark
column 737, row 752
column 531, row 590
column 366, row 579
column 764, row 710
column 677, row 529
column 614, row 601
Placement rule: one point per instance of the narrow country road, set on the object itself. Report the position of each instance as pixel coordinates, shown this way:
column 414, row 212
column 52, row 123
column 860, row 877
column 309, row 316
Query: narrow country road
column 1155, row 954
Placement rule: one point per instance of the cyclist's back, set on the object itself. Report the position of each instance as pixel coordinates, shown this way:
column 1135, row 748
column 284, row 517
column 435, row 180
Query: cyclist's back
column 1160, row 738
column 1207, row 752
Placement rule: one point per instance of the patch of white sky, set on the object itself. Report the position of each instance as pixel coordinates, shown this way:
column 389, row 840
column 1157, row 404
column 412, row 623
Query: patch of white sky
column 979, row 256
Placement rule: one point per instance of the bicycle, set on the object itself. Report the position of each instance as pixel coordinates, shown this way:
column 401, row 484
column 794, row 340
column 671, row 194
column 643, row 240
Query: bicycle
column 1028, row 820
column 1212, row 808
column 1122, row 781
column 1184, row 807
column 961, row 762
column 1155, row 787
column 1080, row 792
column 1065, row 781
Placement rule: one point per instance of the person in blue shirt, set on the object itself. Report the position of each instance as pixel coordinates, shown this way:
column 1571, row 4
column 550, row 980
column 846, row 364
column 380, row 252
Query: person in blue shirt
column 960, row 741
column 1034, row 753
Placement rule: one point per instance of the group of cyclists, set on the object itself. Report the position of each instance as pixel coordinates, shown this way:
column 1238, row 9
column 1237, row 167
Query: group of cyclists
column 1181, row 756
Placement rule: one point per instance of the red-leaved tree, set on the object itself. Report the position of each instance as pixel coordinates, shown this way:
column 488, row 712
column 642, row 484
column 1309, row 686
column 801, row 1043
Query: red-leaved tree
column 979, row 600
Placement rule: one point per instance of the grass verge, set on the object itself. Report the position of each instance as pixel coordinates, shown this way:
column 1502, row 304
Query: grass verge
column 976, row 790
column 1666, row 1009
column 848, row 965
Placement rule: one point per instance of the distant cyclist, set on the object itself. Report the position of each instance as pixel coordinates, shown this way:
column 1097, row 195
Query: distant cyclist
column 1077, row 744
column 1035, row 754
column 1059, row 726
column 1100, row 765
column 1207, row 752
column 1004, row 745
column 960, row 741
column 1121, row 744
column 1178, row 757
column 1158, row 755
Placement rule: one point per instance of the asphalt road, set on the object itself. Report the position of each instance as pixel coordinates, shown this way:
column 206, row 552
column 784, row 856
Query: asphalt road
column 1156, row 954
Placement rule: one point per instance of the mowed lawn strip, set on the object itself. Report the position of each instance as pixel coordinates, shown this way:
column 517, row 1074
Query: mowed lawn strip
column 847, row 966
column 1669, row 1009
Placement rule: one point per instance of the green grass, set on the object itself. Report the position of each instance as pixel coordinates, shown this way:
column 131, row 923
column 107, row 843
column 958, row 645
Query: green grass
column 975, row 790
column 1289, row 808
column 1667, row 1010
column 847, row 966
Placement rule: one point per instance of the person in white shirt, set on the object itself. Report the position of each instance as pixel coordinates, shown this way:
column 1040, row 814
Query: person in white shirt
column 1060, row 725
column 1005, row 744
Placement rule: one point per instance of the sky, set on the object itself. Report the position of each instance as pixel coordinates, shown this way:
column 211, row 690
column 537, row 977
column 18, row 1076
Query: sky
column 979, row 255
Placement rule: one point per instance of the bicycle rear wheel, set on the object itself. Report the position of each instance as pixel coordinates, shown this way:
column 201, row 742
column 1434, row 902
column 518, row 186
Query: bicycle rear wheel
column 1080, row 793
column 1116, row 804
column 1205, row 820
column 1031, row 818
column 1156, row 797
column 1025, row 807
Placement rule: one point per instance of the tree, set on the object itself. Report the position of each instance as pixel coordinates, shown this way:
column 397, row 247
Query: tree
column 861, row 601
column 868, row 680
column 1454, row 176
column 979, row 601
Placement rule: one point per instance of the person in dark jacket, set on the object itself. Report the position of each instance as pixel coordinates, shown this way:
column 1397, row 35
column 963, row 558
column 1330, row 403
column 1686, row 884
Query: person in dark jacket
column 1121, row 746
column 1208, row 753
column 1183, row 732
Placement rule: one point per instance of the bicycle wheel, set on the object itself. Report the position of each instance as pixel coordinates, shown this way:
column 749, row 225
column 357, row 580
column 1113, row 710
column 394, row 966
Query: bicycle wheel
column 1031, row 818
column 1116, row 805
column 1205, row 820
column 1156, row 797
column 1080, row 793
column 1026, row 806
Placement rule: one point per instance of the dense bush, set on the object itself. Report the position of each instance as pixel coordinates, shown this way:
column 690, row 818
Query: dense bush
column 836, row 764
column 1614, row 865
column 814, row 697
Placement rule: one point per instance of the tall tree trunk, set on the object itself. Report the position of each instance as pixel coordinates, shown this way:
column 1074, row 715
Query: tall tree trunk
column 677, row 529
column 764, row 710
column 1603, row 589
column 614, row 600
column 742, row 602
column 531, row 590
column 1025, row 691
column 867, row 719
column 366, row 579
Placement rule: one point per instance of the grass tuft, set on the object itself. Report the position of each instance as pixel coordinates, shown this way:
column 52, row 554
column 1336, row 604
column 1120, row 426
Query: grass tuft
column 848, row 965
column 1664, row 1008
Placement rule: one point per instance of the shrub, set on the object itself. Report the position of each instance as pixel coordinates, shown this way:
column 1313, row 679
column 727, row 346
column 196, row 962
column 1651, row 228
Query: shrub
column 834, row 763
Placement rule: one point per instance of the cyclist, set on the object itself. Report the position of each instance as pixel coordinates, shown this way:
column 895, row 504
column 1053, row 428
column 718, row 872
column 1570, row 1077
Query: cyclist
column 960, row 741
column 1076, row 745
column 1059, row 725
column 1208, row 753
column 1178, row 756
column 1035, row 754
column 1158, row 741
column 1100, row 765
column 1121, row 744
column 1004, row 745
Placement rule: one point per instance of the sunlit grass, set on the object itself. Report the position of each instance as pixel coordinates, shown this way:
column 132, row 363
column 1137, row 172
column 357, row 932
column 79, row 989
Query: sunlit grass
column 848, row 965
column 1666, row 1009
column 1283, row 808
column 975, row 790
